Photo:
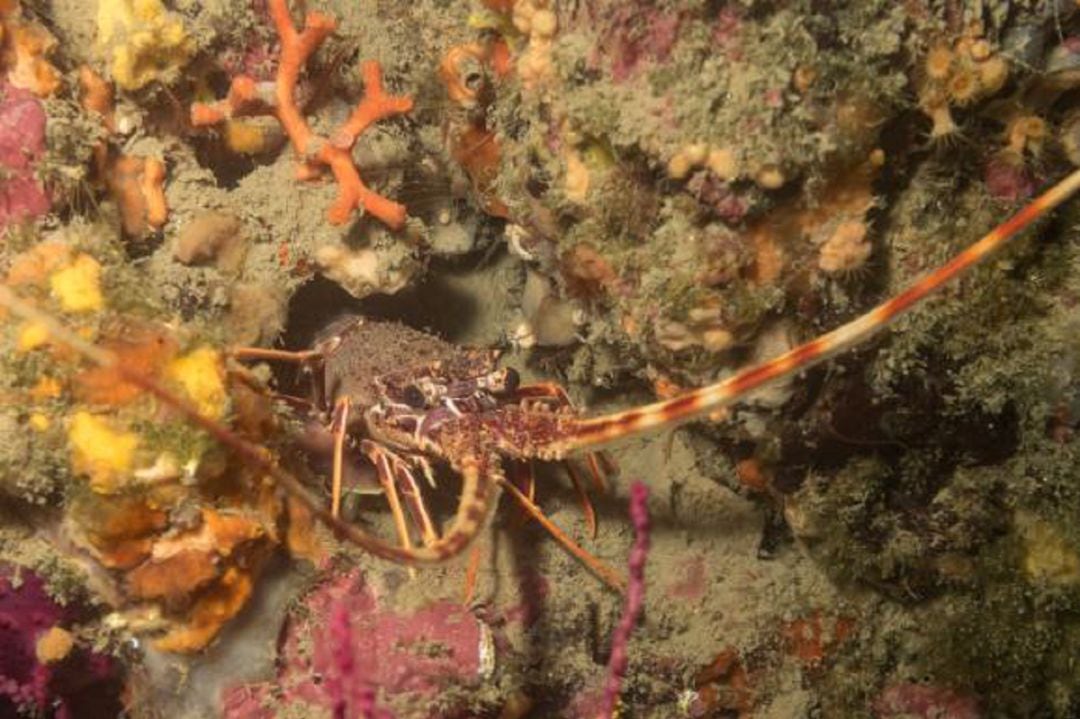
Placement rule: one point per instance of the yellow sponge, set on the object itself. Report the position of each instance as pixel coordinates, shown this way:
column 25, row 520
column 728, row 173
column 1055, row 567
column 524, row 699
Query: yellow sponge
column 78, row 286
column 143, row 40
column 98, row 450
column 200, row 375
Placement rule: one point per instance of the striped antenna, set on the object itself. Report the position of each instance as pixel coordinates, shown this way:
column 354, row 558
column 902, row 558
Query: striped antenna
column 589, row 433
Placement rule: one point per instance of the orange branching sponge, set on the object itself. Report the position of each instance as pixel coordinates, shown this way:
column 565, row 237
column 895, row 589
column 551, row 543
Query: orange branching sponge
column 136, row 183
column 472, row 144
column 247, row 97
column 24, row 49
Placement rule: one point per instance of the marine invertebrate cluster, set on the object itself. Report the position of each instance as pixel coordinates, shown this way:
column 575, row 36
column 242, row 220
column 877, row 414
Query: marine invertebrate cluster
column 692, row 267
column 721, row 162
column 958, row 75
column 247, row 97
column 537, row 20
column 912, row 699
column 468, row 73
column 27, row 76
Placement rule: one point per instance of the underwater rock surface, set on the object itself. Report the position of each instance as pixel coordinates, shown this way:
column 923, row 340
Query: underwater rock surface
column 544, row 210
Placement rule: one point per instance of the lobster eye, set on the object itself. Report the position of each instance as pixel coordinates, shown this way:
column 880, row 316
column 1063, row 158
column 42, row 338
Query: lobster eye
column 473, row 80
column 413, row 396
column 512, row 380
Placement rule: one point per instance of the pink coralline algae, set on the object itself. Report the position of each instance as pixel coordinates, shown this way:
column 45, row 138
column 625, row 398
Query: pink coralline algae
column 633, row 35
column 1009, row 182
column 258, row 61
column 82, row 684
column 729, row 205
column 910, row 700
column 726, row 27
column 22, row 144
column 350, row 693
column 365, row 649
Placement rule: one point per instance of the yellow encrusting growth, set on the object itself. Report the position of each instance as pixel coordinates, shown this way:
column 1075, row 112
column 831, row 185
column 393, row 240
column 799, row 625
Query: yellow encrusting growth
column 31, row 336
column 101, row 452
column 142, row 41
column 78, row 286
column 1048, row 556
column 199, row 373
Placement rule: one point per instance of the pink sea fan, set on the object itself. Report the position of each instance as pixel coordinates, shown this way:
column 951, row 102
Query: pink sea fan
column 25, row 613
column 22, row 144
column 83, row 679
column 635, row 599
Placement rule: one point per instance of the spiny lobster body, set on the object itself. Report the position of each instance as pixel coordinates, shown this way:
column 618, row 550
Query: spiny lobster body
column 409, row 399
column 371, row 361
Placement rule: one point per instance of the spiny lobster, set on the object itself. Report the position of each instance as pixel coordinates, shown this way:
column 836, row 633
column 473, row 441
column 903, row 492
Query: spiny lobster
column 459, row 409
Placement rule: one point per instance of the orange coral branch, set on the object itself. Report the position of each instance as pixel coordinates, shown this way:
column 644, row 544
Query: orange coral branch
column 334, row 152
column 376, row 105
column 243, row 98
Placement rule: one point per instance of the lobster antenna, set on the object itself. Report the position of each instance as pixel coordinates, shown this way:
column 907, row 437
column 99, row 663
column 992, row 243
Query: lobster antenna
column 254, row 455
column 589, row 433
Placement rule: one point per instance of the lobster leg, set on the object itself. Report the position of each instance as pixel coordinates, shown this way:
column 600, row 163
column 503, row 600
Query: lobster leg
column 600, row 466
column 585, row 434
column 608, row 575
column 480, row 477
column 310, row 361
column 385, row 470
column 261, row 353
column 583, row 497
column 544, row 390
column 410, row 489
column 340, row 422
column 472, row 571
column 522, row 474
